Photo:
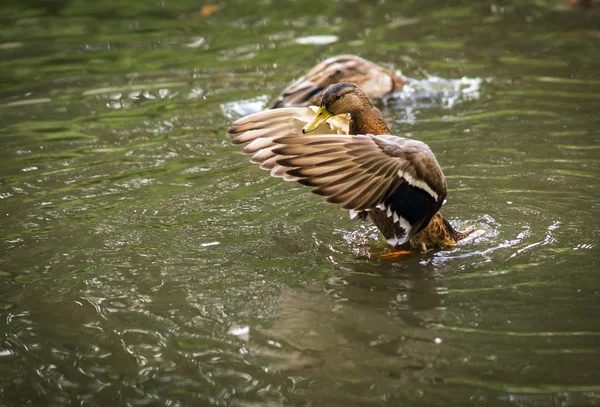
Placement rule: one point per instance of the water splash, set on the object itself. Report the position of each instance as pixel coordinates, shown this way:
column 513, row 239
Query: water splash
column 429, row 92
column 435, row 91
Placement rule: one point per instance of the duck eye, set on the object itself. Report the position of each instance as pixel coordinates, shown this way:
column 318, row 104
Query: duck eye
column 338, row 97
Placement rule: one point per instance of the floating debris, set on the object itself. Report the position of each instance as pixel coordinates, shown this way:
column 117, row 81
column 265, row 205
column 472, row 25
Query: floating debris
column 209, row 244
column 242, row 332
column 196, row 43
column 317, row 40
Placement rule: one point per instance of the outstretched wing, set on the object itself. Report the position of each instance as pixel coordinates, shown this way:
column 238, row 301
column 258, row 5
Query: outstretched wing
column 359, row 172
column 258, row 131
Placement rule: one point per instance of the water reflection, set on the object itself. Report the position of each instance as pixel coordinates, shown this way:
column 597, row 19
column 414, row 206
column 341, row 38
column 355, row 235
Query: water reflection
column 356, row 329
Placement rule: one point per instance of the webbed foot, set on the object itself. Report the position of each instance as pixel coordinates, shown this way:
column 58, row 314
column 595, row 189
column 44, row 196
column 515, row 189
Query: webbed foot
column 393, row 255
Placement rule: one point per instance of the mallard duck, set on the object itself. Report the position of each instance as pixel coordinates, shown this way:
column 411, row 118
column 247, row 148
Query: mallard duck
column 374, row 80
column 351, row 158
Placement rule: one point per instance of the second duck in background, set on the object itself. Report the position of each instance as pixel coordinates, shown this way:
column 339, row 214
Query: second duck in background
column 374, row 80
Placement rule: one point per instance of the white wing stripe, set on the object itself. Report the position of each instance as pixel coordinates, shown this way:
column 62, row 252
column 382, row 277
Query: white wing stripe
column 419, row 184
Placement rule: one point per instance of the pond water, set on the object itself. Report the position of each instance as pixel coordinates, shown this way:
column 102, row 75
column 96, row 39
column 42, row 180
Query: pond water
column 144, row 261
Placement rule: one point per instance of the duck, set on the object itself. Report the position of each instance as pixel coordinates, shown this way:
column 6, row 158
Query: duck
column 374, row 80
column 344, row 150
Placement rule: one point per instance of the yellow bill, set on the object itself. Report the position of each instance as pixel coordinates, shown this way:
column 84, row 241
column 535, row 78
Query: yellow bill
column 322, row 115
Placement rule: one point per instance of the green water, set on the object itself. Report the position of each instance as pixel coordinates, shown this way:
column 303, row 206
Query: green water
column 144, row 261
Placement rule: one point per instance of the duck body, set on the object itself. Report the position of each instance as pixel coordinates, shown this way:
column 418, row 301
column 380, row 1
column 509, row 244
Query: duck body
column 374, row 80
column 416, row 200
column 396, row 181
column 439, row 234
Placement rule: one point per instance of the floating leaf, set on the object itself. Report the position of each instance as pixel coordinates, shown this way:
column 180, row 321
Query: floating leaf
column 27, row 278
column 209, row 9
column 5, row 306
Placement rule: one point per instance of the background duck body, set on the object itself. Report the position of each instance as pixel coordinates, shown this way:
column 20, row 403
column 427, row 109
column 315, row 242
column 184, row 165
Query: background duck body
column 374, row 80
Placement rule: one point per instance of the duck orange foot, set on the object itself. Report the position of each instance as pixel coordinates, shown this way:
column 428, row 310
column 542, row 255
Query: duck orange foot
column 393, row 255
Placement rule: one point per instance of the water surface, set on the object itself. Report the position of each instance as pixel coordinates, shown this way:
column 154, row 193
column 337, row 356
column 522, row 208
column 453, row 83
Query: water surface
column 144, row 261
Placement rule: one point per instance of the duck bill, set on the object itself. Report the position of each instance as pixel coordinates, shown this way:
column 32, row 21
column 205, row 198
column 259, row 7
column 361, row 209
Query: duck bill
column 321, row 117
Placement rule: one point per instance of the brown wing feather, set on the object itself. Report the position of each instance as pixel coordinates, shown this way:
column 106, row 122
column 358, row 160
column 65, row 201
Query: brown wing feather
column 357, row 171
column 258, row 131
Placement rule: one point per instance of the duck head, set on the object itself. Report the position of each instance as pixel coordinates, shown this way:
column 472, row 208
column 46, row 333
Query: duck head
column 339, row 99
